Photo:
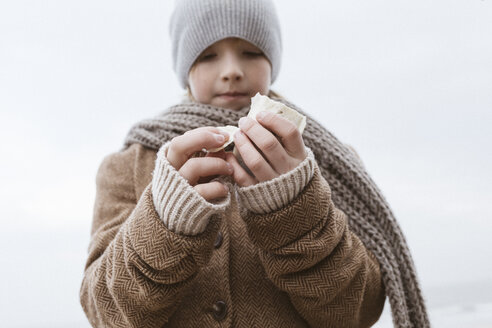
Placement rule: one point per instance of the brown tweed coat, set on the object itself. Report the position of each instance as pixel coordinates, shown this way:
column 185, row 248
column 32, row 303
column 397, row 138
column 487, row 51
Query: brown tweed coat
column 300, row 266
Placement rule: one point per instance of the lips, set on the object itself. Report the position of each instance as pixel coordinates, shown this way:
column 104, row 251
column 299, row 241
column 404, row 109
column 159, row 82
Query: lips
column 233, row 94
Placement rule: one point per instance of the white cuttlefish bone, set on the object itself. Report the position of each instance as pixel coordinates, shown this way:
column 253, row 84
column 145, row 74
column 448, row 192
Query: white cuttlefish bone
column 263, row 103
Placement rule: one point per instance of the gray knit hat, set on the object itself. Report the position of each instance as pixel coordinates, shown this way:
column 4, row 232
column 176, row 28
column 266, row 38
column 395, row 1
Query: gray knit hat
column 197, row 24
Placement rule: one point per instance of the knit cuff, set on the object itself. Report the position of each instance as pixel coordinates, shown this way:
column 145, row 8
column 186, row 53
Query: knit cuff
column 181, row 208
column 272, row 195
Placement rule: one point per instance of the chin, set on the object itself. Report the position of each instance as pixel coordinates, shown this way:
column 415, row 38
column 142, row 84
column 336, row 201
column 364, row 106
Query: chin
column 233, row 105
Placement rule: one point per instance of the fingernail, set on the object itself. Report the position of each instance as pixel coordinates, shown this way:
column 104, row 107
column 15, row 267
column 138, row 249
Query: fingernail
column 261, row 115
column 219, row 137
column 230, row 168
column 242, row 121
column 226, row 188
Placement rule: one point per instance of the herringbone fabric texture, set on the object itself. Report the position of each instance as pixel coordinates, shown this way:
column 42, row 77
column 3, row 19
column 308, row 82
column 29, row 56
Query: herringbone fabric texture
column 300, row 266
column 353, row 192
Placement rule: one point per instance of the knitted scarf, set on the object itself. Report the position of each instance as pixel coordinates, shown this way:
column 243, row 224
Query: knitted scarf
column 353, row 191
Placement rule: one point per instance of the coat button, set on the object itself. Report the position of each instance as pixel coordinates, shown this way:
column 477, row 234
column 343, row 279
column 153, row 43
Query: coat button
column 218, row 240
column 220, row 310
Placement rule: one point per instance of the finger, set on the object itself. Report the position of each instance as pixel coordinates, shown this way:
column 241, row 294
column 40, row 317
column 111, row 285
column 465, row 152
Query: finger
column 183, row 146
column 219, row 154
column 195, row 168
column 212, row 190
column 267, row 142
column 206, row 179
column 240, row 176
column 289, row 134
column 210, row 129
column 253, row 159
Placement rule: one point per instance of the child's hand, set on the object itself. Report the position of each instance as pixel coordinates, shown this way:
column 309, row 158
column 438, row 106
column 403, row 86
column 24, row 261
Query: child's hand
column 199, row 171
column 276, row 156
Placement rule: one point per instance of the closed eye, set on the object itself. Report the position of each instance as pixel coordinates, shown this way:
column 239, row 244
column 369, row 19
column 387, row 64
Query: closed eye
column 207, row 57
column 253, row 54
column 250, row 54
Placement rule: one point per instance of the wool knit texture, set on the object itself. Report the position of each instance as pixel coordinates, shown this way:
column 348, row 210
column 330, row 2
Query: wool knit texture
column 271, row 195
column 353, row 191
column 197, row 24
column 184, row 210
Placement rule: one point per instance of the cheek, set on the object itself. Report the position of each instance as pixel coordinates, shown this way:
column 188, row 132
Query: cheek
column 263, row 74
column 199, row 83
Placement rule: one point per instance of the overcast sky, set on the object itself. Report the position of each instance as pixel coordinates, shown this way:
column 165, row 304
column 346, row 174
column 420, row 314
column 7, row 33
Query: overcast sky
column 406, row 83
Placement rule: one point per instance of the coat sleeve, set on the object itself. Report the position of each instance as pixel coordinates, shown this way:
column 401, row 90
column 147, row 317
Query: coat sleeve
column 137, row 270
column 309, row 252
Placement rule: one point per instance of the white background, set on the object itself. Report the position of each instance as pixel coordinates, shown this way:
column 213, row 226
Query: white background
column 407, row 83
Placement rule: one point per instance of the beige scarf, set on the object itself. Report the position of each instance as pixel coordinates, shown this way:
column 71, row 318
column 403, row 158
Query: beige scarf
column 353, row 191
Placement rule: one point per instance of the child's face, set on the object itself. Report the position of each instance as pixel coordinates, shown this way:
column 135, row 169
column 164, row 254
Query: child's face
column 229, row 65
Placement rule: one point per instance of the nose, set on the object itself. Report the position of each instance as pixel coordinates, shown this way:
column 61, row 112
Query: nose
column 231, row 69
